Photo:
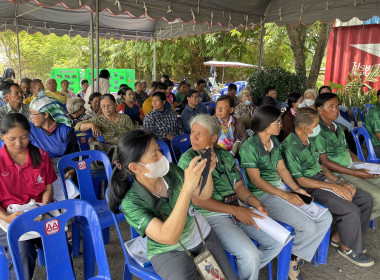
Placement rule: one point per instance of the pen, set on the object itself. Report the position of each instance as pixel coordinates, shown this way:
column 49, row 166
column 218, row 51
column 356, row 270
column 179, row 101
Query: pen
column 51, row 216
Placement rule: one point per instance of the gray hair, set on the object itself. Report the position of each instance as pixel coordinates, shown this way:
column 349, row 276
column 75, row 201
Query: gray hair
column 74, row 104
column 313, row 91
column 207, row 121
column 244, row 92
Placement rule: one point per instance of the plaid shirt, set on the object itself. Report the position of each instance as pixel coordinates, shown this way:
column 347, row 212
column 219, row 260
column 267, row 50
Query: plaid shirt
column 6, row 109
column 162, row 123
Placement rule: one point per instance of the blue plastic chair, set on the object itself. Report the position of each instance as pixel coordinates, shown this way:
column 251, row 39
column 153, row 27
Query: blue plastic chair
column 165, row 150
column 208, row 106
column 345, row 115
column 54, row 240
column 366, row 107
column 361, row 131
column 180, row 144
column 1, row 143
column 4, row 272
column 355, row 111
column 284, row 105
column 87, row 193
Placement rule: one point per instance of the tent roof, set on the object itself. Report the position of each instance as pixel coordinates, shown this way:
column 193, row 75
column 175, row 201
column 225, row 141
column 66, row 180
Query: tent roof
column 144, row 19
column 227, row 64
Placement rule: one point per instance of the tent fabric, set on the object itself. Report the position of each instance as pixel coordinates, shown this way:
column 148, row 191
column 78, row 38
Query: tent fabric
column 145, row 19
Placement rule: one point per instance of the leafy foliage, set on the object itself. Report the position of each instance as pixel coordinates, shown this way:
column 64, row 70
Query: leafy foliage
column 284, row 81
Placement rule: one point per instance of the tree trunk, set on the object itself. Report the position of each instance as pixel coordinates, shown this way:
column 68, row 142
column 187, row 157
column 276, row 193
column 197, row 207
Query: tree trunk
column 297, row 37
column 319, row 54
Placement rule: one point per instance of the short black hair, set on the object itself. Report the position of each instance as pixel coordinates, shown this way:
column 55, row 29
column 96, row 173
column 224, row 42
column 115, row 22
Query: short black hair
column 378, row 93
column 104, row 73
column 232, row 86
column 267, row 100
column 83, row 82
column 160, row 86
column 153, row 84
column 293, row 98
column 137, row 82
column 263, row 116
column 323, row 87
column 160, row 94
column 323, row 98
column 93, row 96
column 166, row 77
column 123, row 91
column 169, row 83
column 201, row 81
column 26, row 81
column 269, row 89
column 230, row 100
column 109, row 96
column 8, row 88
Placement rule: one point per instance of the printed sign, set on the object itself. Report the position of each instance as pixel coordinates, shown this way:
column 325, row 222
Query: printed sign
column 52, row 227
column 82, row 165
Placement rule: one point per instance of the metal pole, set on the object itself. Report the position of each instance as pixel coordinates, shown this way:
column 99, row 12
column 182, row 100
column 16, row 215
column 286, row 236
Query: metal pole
column 92, row 50
column 154, row 59
column 261, row 46
column 223, row 76
column 18, row 45
column 97, row 44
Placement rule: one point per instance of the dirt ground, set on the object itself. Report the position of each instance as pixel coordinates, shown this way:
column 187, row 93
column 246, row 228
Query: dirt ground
column 337, row 268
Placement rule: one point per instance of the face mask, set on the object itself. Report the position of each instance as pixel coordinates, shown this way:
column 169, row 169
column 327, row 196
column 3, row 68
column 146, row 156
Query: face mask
column 157, row 169
column 309, row 102
column 247, row 102
column 302, row 104
column 41, row 93
column 316, row 131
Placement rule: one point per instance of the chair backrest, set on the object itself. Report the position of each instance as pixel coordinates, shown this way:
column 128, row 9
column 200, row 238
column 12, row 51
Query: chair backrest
column 82, row 138
column 81, row 162
column 361, row 131
column 284, row 105
column 165, row 150
column 346, row 116
column 208, row 106
column 180, row 144
column 366, row 107
column 355, row 111
column 53, row 236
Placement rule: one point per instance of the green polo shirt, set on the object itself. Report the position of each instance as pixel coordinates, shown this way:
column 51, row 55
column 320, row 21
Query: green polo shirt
column 140, row 207
column 254, row 155
column 372, row 123
column 224, row 176
column 179, row 97
column 301, row 160
column 333, row 144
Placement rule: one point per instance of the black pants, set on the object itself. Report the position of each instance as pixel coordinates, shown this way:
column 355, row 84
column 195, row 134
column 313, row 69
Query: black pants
column 28, row 255
column 352, row 217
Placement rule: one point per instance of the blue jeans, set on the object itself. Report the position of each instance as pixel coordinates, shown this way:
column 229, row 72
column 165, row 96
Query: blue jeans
column 308, row 233
column 236, row 239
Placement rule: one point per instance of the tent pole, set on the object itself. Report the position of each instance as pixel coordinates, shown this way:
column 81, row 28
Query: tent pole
column 92, row 49
column 154, row 59
column 97, row 44
column 223, row 76
column 261, row 46
column 18, row 45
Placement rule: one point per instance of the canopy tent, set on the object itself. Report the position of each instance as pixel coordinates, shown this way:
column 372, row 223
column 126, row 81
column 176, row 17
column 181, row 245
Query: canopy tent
column 223, row 64
column 146, row 19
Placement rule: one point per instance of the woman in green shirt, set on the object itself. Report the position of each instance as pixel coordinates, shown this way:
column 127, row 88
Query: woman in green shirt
column 157, row 203
column 265, row 170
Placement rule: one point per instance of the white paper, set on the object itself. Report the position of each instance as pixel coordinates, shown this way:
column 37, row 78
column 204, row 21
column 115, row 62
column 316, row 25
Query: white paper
column 72, row 190
column 312, row 210
column 137, row 250
column 372, row 167
column 272, row 228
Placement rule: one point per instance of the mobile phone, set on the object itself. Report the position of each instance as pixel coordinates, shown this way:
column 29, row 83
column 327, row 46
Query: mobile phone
column 305, row 198
column 205, row 155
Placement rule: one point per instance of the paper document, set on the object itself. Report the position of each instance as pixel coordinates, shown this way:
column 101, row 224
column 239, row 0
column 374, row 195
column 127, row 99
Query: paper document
column 313, row 210
column 272, row 228
column 137, row 250
column 372, row 167
column 72, row 190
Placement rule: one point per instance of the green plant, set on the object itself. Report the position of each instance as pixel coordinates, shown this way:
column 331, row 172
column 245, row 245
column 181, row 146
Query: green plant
column 358, row 90
column 284, row 82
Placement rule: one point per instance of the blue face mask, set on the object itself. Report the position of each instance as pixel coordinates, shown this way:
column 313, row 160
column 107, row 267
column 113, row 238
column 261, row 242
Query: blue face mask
column 41, row 93
column 247, row 102
column 316, row 131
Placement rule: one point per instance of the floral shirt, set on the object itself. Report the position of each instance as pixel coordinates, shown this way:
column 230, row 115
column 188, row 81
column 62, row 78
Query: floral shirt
column 241, row 110
column 226, row 139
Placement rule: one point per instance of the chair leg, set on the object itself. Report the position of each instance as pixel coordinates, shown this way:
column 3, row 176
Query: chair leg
column 4, row 271
column 106, row 235
column 88, row 254
column 323, row 248
column 372, row 224
column 232, row 260
column 269, row 268
column 315, row 259
column 283, row 263
column 75, row 235
column 41, row 258
column 127, row 273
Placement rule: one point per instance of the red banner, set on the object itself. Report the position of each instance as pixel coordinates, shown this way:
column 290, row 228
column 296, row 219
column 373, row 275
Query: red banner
column 352, row 48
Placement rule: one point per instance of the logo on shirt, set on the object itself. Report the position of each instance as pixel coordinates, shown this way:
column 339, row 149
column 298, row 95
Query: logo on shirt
column 4, row 174
column 52, row 227
column 39, row 179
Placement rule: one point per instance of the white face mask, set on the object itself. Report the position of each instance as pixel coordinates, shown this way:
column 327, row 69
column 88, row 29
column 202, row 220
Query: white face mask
column 309, row 102
column 302, row 105
column 157, row 169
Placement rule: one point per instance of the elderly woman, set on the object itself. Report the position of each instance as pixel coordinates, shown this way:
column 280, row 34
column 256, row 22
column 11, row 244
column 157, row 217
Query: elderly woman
column 65, row 88
column 232, row 128
column 295, row 101
column 157, row 202
column 76, row 111
column 111, row 125
column 245, row 106
column 266, row 174
column 334, row 152
column 192, row 108
column 309, row 98
column 29, row 177
column 94, row 102
column 233, row 224
column 350, row 207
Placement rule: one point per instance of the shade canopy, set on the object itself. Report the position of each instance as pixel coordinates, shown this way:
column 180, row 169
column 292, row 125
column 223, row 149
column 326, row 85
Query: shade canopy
column 228, row 64
column 146, row 19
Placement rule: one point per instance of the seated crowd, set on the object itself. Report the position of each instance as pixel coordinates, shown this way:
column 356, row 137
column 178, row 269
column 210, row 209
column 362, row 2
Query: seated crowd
column 303, row 152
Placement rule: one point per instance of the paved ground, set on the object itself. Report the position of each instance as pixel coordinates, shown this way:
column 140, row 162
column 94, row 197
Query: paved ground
column 337, row 267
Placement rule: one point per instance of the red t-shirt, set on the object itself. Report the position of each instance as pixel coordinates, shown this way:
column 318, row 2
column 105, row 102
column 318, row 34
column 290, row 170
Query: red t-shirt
column 18, row 185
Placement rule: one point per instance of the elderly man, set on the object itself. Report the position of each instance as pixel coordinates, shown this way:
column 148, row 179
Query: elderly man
column 272, row 92
column 13, row 93
column 51, row 85
column 25, row 86
column 37, row 89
